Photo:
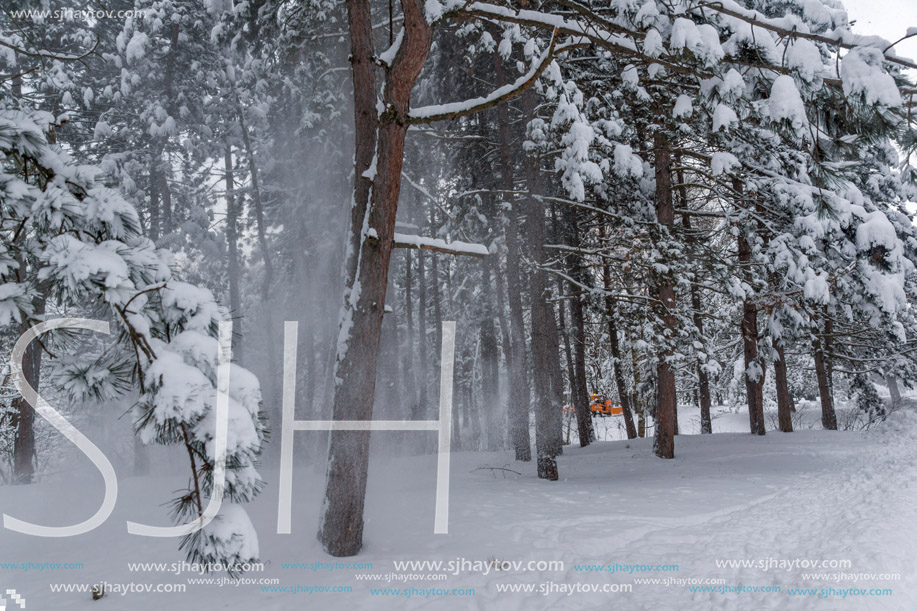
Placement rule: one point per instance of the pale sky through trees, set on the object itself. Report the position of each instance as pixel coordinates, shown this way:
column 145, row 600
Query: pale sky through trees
column 887, row 18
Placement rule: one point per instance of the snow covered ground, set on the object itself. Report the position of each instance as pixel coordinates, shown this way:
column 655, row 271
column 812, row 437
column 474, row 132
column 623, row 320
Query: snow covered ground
column 777, row 503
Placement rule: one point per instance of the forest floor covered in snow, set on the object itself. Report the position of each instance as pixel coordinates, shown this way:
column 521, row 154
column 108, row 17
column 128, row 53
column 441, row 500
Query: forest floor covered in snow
column 643, row 532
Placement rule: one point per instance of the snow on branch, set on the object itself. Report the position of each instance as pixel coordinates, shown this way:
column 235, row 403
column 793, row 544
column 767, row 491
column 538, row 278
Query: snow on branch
column 756, row 19
column 597, row 31
column 457, row 248
column 455, row 110
column 49, row 55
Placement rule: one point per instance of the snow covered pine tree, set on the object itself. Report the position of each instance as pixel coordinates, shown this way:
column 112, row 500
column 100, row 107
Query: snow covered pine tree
column 63, row 231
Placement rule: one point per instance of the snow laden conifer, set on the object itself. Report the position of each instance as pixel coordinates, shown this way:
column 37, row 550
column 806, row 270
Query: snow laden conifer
column 67, row 236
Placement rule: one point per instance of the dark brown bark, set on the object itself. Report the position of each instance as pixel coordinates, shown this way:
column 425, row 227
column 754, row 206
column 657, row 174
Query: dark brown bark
column 784, row 399
column 379, row 140
column 664, row 439
column 823, row 375
column 754, row 366
column 548, row 403
column 703, row 379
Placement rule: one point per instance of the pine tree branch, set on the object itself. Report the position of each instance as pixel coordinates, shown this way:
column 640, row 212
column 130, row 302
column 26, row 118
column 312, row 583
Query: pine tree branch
column 457, row 110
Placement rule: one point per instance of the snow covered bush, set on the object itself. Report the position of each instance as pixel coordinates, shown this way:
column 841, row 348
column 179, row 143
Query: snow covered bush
column 866, row 397
column 72, row 244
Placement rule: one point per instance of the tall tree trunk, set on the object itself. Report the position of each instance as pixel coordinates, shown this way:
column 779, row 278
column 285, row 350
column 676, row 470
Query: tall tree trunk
column 664, row 439
column 380, row 142
column 423, row 363
column 519, row 399
column 411, row 381
column 578, row 338
column 784, row 399
column 703, row 379
column 820, row 345
column 638, row 402
column 547, row 403
column 568, row 352
column 437, row 300
column 583, row 418
column 233, row 206
column 623, row 395
column 154, row 194
column 490, row 365
column 556, row 429
column 160, row 195
column 754, row 365
column 268, row 274
column 165, row 191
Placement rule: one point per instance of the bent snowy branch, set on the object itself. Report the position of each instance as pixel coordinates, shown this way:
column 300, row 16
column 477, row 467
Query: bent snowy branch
column 417, row 242
column 456, row 110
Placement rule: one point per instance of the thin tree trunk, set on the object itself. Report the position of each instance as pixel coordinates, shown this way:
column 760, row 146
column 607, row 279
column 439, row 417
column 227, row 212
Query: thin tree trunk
column 638, row 402
column 423, row 362
column 578, row 338
column 490, row 365
column 894, row 394
column 411, row 361
column 232, row 239
column 268, row 278
column 519, row 400
column 155, row 185
column 437, row 301
column 380, row 142
column 754, row 366
column 548, row 403
column 165, row 197
column 784, row 400
column 568, row 352
column 557, row 378
column 23, row 420
column 664, row 439
column 623, row 395
column 823, row 375
column 703, row 379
